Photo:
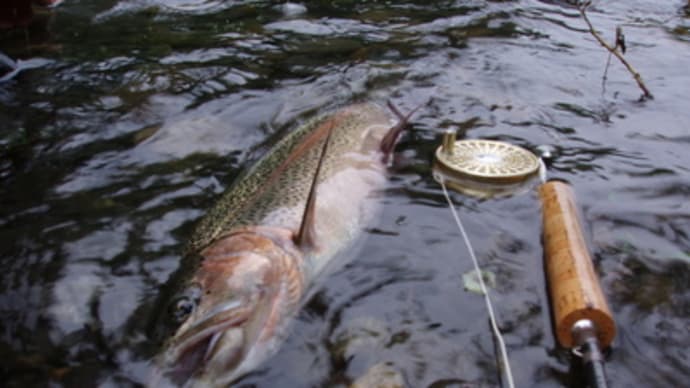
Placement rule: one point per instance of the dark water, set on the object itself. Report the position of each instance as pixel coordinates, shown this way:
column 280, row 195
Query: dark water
column 129, row 118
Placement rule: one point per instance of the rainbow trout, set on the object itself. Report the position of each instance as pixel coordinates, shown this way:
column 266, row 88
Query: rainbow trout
column 271, row 234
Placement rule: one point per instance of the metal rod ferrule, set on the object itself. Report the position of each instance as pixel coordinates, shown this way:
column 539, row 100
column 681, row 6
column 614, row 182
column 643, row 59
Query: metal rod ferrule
column 585, row 337
column 593, row 362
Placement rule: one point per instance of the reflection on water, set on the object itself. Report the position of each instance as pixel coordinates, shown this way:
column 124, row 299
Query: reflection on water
column 129, row 117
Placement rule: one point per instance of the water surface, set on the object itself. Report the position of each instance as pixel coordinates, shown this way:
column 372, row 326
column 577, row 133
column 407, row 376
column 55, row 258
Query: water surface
column 128, row 118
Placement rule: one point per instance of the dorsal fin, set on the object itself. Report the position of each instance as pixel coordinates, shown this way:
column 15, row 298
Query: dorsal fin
column 306, row 236
column 388, row 142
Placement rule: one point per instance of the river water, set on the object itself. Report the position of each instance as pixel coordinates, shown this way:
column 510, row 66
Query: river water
column 129, row 118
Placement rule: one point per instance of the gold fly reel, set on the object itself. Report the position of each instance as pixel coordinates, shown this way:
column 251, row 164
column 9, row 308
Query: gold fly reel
column 484, row 168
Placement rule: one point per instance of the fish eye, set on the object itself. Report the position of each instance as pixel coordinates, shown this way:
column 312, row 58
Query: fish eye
column 184, row 305
column 181, row 308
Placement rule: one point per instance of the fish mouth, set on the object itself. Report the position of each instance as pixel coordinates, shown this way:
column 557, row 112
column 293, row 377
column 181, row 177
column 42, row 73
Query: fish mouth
column 218, row 341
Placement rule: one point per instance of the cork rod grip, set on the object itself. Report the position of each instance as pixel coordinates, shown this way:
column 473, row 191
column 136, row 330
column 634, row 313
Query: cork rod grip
column 573, row 283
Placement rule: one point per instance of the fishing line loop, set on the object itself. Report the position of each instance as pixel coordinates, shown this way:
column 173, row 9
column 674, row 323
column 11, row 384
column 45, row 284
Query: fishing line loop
column 485, row 292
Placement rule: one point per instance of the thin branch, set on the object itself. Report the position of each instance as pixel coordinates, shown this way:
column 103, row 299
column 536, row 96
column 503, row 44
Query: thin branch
column 615, row 52
column 605, row 77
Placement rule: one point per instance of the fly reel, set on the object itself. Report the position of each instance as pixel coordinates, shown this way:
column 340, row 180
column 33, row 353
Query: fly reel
column 484, row 168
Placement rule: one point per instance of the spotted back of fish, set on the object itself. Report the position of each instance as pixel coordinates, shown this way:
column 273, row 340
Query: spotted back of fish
column 275, row 190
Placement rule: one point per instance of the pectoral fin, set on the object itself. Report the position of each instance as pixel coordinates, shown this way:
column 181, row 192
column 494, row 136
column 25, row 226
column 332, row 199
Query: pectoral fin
column 306, row 236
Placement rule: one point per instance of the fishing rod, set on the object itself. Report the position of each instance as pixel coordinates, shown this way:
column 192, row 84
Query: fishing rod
column 582, row 319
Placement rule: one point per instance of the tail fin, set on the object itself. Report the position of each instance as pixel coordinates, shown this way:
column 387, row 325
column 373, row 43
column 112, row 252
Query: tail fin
column 388, row 142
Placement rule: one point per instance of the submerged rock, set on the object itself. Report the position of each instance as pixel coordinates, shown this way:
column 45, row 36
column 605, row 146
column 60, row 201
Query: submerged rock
column 381, row 375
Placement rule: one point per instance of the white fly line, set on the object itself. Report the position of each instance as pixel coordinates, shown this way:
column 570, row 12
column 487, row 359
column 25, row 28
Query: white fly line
column 494, row 326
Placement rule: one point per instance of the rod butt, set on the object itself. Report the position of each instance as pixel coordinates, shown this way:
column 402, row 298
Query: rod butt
column 573, row 284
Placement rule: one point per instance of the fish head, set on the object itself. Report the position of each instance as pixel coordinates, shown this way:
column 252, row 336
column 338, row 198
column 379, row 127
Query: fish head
column 231, row 314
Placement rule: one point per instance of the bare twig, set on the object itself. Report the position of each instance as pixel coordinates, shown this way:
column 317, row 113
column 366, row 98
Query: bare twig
column 605, row 77
column 615, row 51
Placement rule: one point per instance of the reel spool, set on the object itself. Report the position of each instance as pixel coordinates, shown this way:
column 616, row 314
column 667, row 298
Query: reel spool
column 484, row 168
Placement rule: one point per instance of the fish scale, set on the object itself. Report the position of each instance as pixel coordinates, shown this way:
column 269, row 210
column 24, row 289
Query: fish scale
column 282, row 202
